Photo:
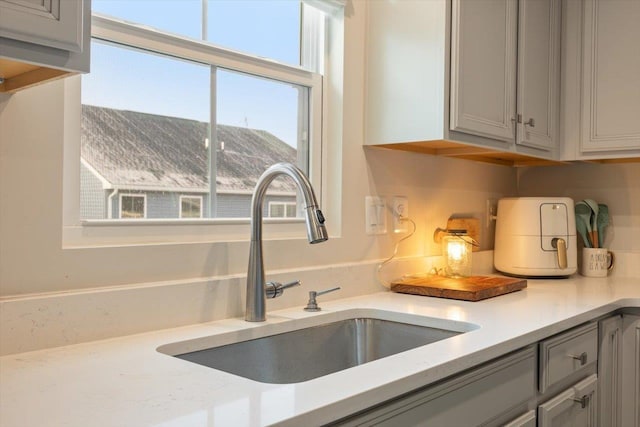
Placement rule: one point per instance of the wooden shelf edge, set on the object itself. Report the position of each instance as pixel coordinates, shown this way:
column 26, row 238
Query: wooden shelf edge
column 612, row 161
column 458, row 150
column 31, row 78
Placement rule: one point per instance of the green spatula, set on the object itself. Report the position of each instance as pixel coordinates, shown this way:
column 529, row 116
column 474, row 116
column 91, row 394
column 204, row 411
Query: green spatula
column 602, row 223
column 583, row 222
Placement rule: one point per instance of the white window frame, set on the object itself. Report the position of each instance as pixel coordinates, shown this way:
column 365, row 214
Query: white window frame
column 120, row 32
column 325, row 133
column 136, row 195
column 200, row 198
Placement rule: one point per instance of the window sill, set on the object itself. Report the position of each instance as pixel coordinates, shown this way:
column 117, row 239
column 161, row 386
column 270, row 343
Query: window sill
column 152, row 232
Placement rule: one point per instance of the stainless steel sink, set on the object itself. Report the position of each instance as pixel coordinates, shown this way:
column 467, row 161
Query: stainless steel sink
column 314, row 351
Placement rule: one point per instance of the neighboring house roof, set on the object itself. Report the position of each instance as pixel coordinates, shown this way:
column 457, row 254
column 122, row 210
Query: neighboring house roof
column 138, row 151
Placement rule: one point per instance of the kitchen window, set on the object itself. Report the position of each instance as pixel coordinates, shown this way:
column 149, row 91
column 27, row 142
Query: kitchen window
column 137, row 63
column 167, row 110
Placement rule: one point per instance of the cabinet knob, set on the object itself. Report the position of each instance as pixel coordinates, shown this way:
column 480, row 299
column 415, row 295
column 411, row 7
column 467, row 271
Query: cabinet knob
column 530, row 122
column 582, row 358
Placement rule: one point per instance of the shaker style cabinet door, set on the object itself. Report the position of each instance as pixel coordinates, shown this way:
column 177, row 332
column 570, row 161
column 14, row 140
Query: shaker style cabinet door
column 611, row 76
column 610, row 371
column 52, row 23
column 538, row 104
column 505, row 70
column 631, row 370
column 483, row 68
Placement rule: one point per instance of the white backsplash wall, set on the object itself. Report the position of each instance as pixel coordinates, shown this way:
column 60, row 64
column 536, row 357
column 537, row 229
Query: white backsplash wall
column 41, row 321
column 35, row 123
column 616, row 185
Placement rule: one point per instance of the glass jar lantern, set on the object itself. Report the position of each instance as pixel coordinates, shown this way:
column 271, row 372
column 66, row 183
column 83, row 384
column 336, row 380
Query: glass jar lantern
column 456, row 250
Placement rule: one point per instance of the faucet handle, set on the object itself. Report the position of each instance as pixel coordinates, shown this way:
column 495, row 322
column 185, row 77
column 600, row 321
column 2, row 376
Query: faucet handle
column 275, row 289
column 312, row 305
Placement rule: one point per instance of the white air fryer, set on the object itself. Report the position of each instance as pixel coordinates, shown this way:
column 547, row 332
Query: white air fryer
column 536, row 237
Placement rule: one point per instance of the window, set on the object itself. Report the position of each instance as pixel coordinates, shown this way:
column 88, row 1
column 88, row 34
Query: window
column 133, row 206
column 283, row 209
column 228, row 23
column 173, row 110
column 190, row 207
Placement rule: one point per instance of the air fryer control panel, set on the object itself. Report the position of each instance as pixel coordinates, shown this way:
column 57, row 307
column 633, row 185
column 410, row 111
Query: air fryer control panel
column 554, row 223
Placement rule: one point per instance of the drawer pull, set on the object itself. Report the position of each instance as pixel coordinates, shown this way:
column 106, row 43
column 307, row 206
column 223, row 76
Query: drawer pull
column 582, row 358
column 583, row 401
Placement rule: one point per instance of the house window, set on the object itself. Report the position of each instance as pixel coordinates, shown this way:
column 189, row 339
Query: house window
column 202, row 112
column 221, row 22
column 283, row 209
column 133, row 206
column 190, row 207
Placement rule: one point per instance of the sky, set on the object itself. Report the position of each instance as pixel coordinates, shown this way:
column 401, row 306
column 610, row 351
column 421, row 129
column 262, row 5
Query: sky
column 140, row 81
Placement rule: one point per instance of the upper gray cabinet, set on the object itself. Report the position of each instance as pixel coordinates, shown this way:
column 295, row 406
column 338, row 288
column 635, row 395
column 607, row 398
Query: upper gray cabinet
column 601, row 79
column 54, row 23
column 538, row 76
column 42, row 40
column 475, row 79
column 483, row 68
column 505, row 71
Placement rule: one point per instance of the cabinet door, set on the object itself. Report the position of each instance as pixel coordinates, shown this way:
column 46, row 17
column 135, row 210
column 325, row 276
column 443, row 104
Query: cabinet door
column 574, row 407
column 538, row 73
column 526, row 420
column 611, row 76
column 483, row 68
column 631, row 369
column 609, row 371
column 53, row 23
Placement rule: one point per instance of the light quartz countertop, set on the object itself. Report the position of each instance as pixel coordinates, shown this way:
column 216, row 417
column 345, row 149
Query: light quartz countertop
column 126, row 382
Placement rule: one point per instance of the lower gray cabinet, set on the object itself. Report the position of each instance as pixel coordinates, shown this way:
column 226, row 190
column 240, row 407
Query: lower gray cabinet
column 609, row 371
column 575, row 407
column 619, row 371
column 586, row 376
column 630, row 396
column 489, row 395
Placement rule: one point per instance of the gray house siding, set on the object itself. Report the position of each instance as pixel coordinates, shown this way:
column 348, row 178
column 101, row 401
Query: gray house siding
column 239, row 205
column 135, row 150
column 159, row 205
column 92, row 197
column 166, row 205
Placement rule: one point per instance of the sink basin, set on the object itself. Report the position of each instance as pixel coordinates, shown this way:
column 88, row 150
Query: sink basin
column 318, row 350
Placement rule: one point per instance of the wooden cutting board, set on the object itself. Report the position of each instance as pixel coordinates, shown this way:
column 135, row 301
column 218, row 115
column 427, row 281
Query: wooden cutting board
column 473, row 288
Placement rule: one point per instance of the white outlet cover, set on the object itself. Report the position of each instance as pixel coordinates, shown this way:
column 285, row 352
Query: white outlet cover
column 400, row 206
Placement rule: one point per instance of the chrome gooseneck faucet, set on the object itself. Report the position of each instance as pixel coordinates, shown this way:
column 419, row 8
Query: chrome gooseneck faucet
column 316, row 233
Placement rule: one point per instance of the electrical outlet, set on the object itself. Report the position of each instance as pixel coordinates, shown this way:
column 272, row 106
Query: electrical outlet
column 491, row 212
column 375, row 215
column 400, row 208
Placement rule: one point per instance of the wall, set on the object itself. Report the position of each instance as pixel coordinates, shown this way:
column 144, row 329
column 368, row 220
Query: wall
column 51, row 295
column 616, row 185
column 33, row 128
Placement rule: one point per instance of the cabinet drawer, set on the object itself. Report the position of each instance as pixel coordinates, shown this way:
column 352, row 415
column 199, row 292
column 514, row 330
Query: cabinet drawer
column 575, row 406
column 567, row 353
column 484, row 395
